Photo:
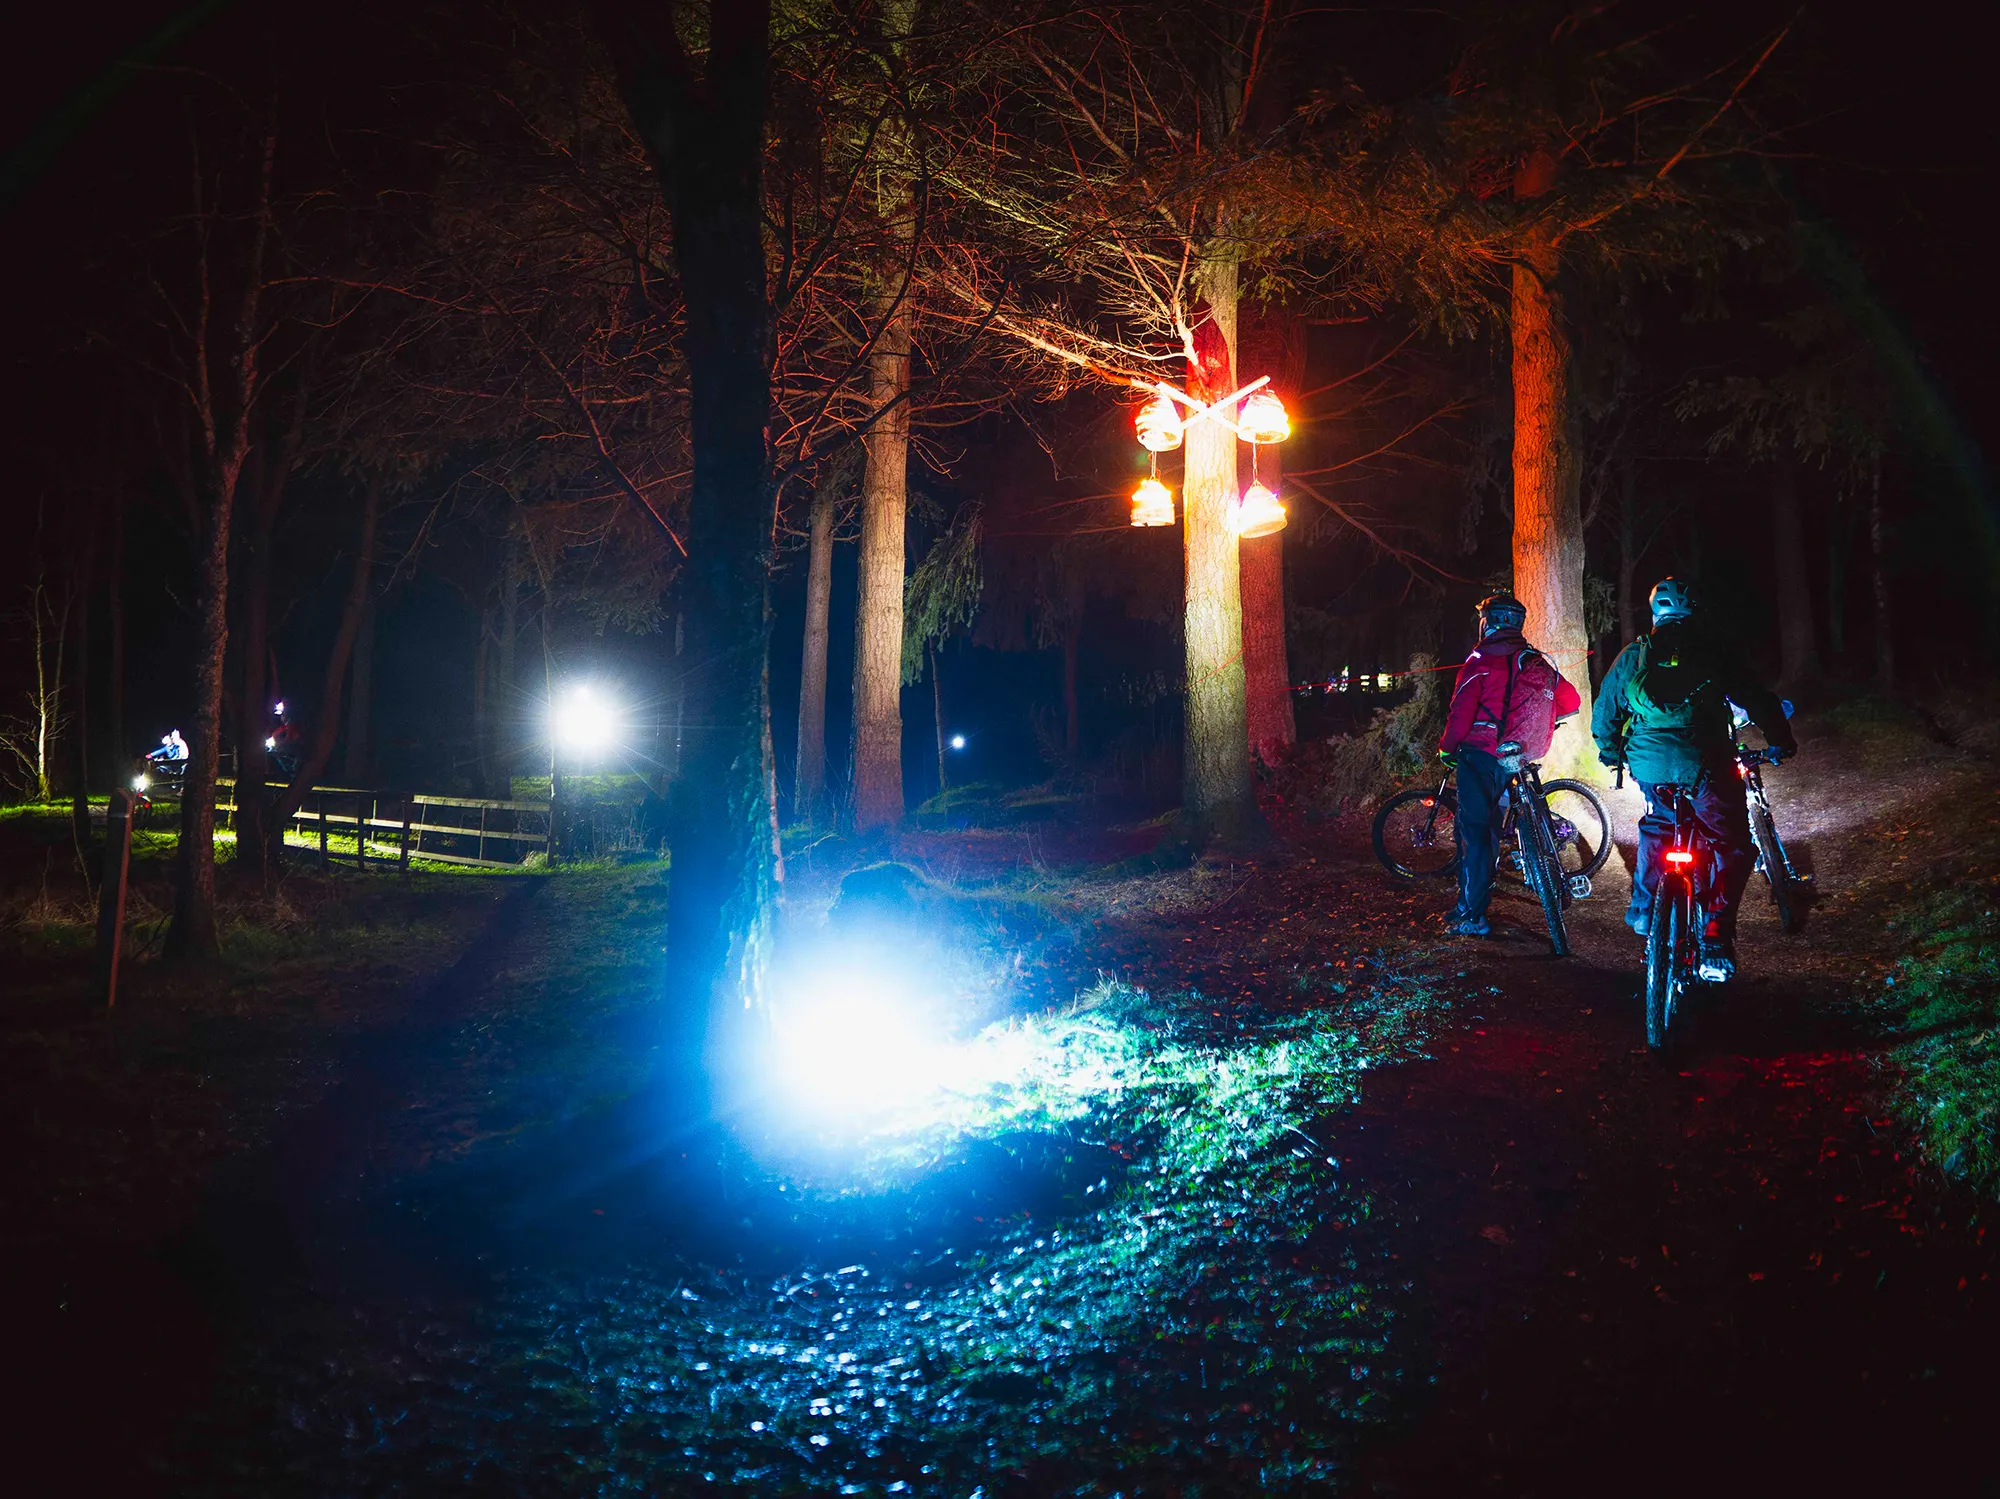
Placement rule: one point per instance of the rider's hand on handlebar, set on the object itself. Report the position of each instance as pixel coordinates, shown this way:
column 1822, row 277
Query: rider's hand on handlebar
column 1449, row 757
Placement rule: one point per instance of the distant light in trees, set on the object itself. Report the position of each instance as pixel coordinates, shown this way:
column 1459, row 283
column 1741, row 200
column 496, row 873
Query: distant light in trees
column 958, row 741
column 587, row 721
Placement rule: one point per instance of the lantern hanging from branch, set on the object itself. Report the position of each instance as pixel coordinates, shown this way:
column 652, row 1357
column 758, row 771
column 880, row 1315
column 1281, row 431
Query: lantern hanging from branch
column 1152, row 504
column 1264, row 419
column 1159, row 424
column 1258, row 513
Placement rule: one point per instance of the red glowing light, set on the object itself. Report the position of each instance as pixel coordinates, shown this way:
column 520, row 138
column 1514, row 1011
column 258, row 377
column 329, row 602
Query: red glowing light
column 1680, row 856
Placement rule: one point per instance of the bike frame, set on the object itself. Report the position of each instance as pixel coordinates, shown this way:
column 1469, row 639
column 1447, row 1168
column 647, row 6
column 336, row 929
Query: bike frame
column 1750, row 765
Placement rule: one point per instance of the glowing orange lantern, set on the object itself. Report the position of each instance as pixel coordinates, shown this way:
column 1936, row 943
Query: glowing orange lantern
column 1263, row 420
column 1152, row 504
column 1159, row 424
column 1258, row 513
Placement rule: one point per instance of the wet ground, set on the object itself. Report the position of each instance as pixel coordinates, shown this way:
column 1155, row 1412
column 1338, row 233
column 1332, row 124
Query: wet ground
column 1523, row 1255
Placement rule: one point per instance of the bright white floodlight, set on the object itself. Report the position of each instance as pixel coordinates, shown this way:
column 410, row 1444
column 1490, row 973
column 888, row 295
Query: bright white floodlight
column 958, row 741
column 586, row 720
column 850, row 1036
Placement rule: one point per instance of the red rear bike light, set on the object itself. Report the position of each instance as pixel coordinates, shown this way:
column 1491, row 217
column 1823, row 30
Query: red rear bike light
column 1680, row 856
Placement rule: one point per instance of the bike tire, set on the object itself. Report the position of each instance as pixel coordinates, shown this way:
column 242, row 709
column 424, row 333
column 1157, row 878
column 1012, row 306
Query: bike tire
column 1665, row 938
column 1402, row 855
column 1591, row 846
column 1545, row 878
column 1765, row 832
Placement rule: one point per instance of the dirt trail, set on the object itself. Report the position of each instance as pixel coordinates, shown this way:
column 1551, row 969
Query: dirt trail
column 1729, row 1270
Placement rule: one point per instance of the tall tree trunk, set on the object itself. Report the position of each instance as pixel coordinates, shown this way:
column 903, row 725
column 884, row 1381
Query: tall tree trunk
column 1628, row 556
column 482, row 670
column 114, row 689
column 79, row 696
column 1878, row 567
column 361, row 700
column 1273, row 343
column 253, row 708
column 1838, row 539
column 1218, row 798
column 809, row 772
column 193, row 932
column 1798, row 651
column 937, row 714
column 1548, row 511
column 878, row 626
column 318, row 751
column 705, row 134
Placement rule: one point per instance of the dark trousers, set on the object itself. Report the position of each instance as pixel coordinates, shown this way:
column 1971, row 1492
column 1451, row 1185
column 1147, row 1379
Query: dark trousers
column 1723, row 810
column 1481, row 783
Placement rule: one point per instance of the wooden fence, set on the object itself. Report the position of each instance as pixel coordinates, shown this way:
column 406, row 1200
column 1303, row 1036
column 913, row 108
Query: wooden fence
column 383, row 827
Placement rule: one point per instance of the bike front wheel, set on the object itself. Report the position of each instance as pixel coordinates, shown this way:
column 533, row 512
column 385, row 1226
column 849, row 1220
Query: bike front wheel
column 1578, row 826
column 1668, row 961
column 1546, row 879
column 1777, row 873
column 1416, row 835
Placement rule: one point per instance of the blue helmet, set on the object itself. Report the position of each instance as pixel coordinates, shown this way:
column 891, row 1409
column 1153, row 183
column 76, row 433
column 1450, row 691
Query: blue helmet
column 1671, row 599
column 1501, row 611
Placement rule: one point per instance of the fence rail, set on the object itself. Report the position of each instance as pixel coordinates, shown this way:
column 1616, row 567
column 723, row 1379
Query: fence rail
column 357, row 815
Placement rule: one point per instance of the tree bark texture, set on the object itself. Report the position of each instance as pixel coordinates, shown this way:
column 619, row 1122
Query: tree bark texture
column 809, row 771
column 358, row 766
column 1548, row 512
column 705, row 135
column 1798, row 652
column 326, row 723
column 1218, row 798
column 1273, row 344
column 1878, row 571
column 878, row 623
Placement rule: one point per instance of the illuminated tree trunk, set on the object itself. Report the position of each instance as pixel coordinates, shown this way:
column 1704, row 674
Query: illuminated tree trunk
column 1797, row 651
column 1878, row 572
column 703, row 126
column 1548, row 511
column 1272, row 343
column 878, row 625
column 809, row 775
column 1218, row 800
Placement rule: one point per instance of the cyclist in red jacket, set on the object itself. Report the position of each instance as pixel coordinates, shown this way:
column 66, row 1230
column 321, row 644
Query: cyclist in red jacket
column 1494, row 689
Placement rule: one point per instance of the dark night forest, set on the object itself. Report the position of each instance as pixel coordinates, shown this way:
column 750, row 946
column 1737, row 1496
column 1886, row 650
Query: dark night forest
column 999, row 748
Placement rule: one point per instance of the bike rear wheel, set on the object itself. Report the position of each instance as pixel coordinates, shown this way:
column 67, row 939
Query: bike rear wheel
column 1582, row 831
column 1667, row 953
column 1546, row 879
column 1777, row 873
column 1416, row 835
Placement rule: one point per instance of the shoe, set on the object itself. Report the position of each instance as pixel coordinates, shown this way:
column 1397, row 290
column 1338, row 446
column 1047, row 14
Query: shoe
column 1468, row 926
column 1640, row 919
column 1717, row 964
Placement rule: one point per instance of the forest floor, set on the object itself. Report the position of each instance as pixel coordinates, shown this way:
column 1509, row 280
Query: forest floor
column 1300, row 1196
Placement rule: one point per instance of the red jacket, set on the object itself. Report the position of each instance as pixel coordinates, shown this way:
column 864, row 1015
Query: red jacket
column 1479, row 696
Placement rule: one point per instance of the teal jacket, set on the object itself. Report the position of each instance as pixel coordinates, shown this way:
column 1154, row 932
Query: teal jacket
column 1677, row 748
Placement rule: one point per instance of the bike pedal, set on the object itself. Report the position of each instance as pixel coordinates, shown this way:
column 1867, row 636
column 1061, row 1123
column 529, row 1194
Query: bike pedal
column 1579, row 887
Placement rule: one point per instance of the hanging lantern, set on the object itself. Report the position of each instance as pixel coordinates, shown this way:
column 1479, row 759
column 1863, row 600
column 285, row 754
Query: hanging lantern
column 1258, row 513
column 1264, row 419
column 1152, row 504
column 1159, row 424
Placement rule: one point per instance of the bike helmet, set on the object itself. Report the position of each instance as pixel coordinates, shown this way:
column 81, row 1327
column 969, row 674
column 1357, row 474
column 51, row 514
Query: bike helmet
column 1671, row 599
column 1501, row 611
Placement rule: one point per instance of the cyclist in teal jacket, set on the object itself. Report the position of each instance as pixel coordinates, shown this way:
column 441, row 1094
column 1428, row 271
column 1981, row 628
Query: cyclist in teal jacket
column 1663, row 712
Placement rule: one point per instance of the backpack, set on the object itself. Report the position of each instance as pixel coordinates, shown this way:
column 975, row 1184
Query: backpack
column 1672, row 695
column 1528, row 711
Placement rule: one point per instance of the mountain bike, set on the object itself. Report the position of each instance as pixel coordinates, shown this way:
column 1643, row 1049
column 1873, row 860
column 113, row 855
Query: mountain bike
column 1560, row 833
column 1673, row 935
column 1415, row 835
column 1789, row 888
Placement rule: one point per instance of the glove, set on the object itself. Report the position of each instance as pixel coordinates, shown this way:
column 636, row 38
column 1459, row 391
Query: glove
column 1780, row 753
column 1450, row 758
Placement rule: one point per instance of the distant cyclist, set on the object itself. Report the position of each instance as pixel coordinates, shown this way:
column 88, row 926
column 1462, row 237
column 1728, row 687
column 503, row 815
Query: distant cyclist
column 1507, row 692
column 173, row 750
column 1664, row 713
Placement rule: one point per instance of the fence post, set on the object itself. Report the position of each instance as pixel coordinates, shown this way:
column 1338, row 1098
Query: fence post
column 403, row 860
column 364, row 812
column 482, row 832
column 319, row 799
column 111, row 898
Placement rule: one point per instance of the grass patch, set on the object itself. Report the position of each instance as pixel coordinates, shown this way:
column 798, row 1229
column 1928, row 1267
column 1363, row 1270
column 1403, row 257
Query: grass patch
column 1946, row 998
